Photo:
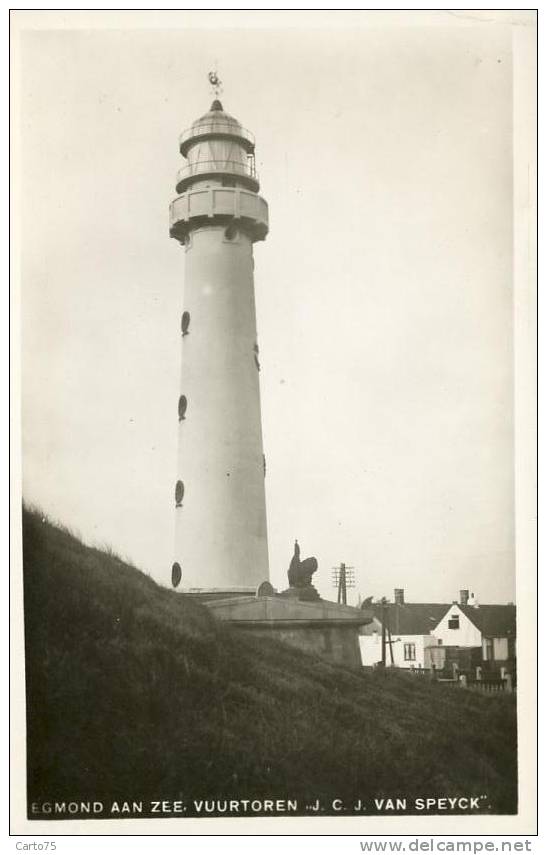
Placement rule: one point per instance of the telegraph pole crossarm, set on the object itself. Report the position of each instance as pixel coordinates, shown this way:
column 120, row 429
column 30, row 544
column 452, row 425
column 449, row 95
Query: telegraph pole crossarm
column 343, row 577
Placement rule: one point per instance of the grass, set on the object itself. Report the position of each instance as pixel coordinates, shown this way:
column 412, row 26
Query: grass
column 134, row 691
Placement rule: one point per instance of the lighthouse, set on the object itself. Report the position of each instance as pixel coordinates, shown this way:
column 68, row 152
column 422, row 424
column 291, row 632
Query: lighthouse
column 218, row 488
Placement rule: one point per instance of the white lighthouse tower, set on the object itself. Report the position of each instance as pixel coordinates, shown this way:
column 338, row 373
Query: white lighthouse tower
column 218, row 491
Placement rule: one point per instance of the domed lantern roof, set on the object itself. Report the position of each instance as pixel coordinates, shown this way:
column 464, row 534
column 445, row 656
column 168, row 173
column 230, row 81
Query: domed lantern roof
column 217, row 146
column 216, row 112
column 216, row 123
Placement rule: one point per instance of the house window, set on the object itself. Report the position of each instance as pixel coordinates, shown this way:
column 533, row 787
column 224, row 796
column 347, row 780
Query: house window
column 489, row 649
column 410, row 652
column 454, row 622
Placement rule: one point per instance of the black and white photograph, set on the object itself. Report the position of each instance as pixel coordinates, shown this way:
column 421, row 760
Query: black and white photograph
column 273, row 355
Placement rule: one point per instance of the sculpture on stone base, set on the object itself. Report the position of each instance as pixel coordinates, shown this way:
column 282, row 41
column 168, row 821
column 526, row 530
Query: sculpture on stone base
column 300, row 573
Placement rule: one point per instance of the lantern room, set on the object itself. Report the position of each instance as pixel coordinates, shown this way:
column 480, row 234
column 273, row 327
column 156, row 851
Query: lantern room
column 217, row 147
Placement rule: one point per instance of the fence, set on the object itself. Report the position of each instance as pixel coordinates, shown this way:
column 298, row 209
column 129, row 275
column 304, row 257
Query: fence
column 488, row 685
column 478, row 681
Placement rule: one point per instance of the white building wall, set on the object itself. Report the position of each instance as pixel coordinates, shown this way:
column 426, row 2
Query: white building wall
column 420, row 642
column 467, row 634
column 371, row 649
column 501, row 648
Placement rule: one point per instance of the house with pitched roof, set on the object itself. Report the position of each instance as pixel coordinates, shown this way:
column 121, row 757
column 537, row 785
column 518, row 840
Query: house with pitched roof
column 498, row 628
column 409, row 628
column 419, row 635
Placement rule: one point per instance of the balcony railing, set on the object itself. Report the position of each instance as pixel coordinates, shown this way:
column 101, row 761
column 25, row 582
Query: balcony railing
column 221, row 167
column 219, row 127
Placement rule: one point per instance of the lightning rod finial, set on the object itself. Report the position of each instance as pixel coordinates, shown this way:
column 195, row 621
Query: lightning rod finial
column 216, row 83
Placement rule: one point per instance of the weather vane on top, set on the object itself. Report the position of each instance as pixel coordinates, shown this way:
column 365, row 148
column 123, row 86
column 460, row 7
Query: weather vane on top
column 215, row 82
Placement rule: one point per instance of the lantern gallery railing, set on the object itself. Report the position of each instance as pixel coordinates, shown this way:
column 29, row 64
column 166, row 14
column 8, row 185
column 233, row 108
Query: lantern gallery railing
column 225, row 167
column 216, row 128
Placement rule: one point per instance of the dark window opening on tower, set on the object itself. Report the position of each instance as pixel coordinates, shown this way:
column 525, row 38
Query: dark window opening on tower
column 176, row 574
column 264, row 464
column 185, row 322
column 257, row 363
column 183, row 403
column 179, row 493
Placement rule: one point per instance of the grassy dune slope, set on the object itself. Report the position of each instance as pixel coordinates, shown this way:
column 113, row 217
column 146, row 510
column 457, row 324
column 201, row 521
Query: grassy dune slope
column 135, row 692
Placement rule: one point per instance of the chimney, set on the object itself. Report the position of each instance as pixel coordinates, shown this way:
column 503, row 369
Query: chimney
column 464, row 597
column 399, row 596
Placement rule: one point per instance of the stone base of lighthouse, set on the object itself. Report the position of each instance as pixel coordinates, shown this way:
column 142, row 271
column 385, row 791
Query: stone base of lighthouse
column 208, row 595
column 320, row 627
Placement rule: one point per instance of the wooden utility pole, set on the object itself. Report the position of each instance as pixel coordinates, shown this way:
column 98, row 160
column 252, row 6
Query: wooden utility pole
column 342, row 587
column 387, row 640
column 343, row 578
column 391, row 643
column 384, row 631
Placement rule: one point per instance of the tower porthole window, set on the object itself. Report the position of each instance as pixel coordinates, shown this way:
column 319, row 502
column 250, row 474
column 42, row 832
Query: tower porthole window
column 185, row 323
column 176, row 574
column 179, row 493
column 183, row 404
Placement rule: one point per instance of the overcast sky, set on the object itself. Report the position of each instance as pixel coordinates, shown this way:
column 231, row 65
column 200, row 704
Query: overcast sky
column 384, row 290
